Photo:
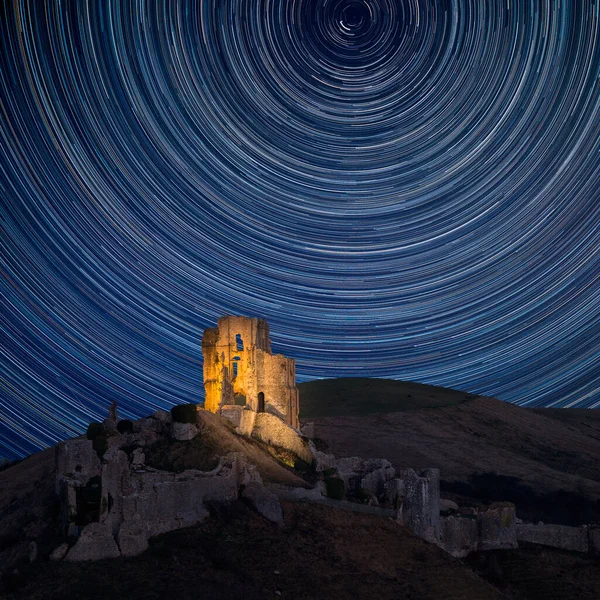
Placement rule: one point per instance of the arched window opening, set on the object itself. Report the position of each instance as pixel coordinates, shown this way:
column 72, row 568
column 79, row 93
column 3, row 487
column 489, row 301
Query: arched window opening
column 261, row 402
column 235, row 366
column 239, row 342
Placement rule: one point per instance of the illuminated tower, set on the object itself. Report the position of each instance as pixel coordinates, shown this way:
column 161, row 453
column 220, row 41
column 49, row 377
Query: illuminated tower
column 240, row 369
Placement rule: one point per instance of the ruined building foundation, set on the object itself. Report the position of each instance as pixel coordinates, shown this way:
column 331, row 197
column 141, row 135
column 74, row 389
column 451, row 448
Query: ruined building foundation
column 241, row 371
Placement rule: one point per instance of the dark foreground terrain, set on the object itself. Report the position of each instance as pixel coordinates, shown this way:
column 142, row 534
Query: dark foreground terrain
column 321, row 553
column 546, row 461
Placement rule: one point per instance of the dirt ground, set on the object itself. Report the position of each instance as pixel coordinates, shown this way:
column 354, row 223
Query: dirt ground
column 321, row 553
column 537, row 573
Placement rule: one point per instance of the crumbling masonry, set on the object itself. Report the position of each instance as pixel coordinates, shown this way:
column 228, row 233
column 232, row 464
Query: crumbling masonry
column 112, row 502
column 240, row 370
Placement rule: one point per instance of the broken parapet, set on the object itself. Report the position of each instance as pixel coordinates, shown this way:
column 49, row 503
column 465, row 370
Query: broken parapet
column 497, row 527
column 421, row 505
column 556, row 536
column 135, row 504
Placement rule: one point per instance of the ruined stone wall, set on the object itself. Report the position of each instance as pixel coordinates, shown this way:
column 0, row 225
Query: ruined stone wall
column 240, row 369
column 112, row 505
column 556, row 536
column 276, row 378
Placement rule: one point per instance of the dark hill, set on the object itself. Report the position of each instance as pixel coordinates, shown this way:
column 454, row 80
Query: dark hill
column 364, row 396
column 545, row 460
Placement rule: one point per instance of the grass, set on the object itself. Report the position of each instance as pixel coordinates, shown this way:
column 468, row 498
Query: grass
column 362, row 396
column 175, row 456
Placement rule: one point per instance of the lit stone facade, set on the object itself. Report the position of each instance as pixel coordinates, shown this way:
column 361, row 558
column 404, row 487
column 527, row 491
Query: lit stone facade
column 239, row 369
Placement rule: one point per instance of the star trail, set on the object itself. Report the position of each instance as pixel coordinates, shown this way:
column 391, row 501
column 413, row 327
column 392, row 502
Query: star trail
column 402, row 188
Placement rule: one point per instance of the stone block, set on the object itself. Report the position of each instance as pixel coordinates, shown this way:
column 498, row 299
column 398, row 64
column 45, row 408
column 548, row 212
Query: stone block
column 459, row 536
column 350, row 464
column 321, row 460
column 497, row 528
column 148, row 425
column 297, row 493
column 555, row 536
column 184, row 431
column 264, row 502
column 59, row 552
column 132, row 538
column 394, row 491
column 448, row 506
column 94, row 543
column 375, row 475
column 138, row 458
column 247, row 422
column 163, row 416
column 115, row 476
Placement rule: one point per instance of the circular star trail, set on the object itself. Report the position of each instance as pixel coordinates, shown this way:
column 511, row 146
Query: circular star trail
column 402, row 188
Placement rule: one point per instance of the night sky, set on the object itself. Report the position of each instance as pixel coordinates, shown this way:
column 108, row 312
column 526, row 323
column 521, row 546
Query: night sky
column 403, row 188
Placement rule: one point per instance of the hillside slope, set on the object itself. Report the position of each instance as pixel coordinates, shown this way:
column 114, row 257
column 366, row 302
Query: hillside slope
column 475, row 435
column 320, row 553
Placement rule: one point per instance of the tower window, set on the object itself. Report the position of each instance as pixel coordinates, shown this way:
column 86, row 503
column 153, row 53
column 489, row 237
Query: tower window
column 239, row 342
column 235, row 366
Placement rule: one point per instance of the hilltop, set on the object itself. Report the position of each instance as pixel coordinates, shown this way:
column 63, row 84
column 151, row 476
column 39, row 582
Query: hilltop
column 547, row 461
column 250, row 515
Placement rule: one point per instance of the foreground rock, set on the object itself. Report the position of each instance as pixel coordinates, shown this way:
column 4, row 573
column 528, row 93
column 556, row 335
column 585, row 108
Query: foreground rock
column 264, row 502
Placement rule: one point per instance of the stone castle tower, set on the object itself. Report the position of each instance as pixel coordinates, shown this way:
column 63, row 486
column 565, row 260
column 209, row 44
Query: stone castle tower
column 239, row 369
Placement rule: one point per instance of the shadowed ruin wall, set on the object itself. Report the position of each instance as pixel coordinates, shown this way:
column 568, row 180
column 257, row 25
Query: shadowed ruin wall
column 240, row 369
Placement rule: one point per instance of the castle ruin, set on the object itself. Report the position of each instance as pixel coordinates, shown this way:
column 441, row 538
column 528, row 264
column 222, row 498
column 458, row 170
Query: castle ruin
column 112, row 502
column 240, row 370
